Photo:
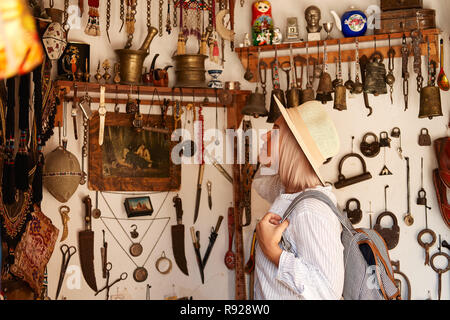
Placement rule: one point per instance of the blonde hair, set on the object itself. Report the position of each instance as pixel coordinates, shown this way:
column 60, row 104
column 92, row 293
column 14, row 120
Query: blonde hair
column 296, row 173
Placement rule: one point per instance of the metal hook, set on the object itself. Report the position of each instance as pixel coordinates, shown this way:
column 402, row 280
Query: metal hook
column 385, row 197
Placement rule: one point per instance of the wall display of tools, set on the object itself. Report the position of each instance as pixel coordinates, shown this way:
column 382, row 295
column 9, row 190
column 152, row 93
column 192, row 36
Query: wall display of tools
column 296, row 64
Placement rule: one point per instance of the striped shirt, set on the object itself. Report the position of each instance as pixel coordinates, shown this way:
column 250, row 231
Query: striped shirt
column 316, row 270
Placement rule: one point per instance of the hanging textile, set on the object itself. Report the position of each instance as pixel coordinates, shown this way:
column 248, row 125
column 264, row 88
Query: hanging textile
column 8, row 181
column 93, row 25
column 191, row 16
column 34, row 250
column 20, row 47
column 21, row 163
column 37, row 179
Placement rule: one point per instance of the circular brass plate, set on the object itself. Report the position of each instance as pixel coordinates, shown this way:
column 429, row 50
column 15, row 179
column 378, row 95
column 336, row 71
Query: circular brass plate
column 140, row 274
column 136, row 249
column 96, row 213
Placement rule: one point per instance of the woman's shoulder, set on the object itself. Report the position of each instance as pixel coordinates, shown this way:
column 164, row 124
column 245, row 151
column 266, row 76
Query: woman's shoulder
column 313, row 208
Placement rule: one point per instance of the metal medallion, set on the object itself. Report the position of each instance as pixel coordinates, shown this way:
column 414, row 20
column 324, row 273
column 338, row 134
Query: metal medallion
column 136, row 249
column 140, row 274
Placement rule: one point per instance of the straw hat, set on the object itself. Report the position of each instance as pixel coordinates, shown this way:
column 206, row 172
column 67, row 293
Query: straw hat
column 314, row 131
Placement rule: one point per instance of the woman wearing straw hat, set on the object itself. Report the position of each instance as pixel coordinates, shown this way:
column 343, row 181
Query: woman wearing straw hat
column 314, row 270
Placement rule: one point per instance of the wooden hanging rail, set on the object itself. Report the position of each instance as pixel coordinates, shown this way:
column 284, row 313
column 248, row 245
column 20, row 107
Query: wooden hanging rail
column 234, row 116
column 332, row 53
column 145, row 90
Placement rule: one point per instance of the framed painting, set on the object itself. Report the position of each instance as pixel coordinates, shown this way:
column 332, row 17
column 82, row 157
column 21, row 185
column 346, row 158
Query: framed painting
column 131, row 160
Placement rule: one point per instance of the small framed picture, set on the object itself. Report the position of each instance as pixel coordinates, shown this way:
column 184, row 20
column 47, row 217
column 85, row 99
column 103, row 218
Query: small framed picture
column 138, row 207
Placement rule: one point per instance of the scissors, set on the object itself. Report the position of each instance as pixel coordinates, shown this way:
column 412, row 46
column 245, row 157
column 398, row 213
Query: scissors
column 108, row 286
column 67, row 253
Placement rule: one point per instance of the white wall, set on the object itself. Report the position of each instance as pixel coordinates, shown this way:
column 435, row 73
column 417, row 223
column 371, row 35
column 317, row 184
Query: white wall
column 219, row 281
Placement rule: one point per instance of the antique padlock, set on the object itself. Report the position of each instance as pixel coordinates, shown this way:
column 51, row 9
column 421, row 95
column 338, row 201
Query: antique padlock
column 370, row 150
column 385, row 141
column 376, row 75
column 424, row 138
column 354, row 215
column 345, row 182
column 422, row 198
column 390, row 235
column 395, row 133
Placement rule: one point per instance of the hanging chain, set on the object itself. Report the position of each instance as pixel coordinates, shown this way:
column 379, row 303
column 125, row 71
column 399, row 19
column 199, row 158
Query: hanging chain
column 390, row 76
column 357, row 57
column 84, row 149
column 168, row 22
column 175, row 14
column 161, row 4
column 149, row 14
column 122, row 14
column 66, row 16
column 405, row 74
column 131, row 20
column 108, row 17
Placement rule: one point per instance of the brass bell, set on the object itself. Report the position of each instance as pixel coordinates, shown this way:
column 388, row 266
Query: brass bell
column 430, row 102
column 308, row 94
column 325, row 88
column 293, row 97
column 375, row 75
column 274, row 112
column 256, row 105
column 340, row 98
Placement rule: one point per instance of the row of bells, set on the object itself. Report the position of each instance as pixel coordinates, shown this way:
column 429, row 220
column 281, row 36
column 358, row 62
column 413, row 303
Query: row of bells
column 375, row 83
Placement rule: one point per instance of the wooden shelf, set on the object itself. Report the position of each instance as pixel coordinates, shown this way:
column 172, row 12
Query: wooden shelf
column 234, row 116
column 186, row 93
column 332, row 53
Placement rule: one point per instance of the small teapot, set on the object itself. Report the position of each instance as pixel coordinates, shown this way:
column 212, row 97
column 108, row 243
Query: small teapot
column 353, row 22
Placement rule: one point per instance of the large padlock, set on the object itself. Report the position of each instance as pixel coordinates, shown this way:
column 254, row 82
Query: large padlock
column 370, row 150
column 345, row 182
column 385, row 141
column 390, row 235
column 354, row 215
column 424, row 138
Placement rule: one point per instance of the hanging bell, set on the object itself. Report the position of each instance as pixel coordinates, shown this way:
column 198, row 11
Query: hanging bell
column 307, row 94
column 325, row 88
column 274, row 112
column 293, row 97
column 256, row 105
column 375, row 75
column 430, row 102
column 340, row 98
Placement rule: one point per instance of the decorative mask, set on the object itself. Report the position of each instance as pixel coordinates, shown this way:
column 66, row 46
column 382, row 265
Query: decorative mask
column 54, row 40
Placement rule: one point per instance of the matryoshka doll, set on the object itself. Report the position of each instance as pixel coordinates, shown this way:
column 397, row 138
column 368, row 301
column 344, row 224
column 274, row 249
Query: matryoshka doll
column 262, row 23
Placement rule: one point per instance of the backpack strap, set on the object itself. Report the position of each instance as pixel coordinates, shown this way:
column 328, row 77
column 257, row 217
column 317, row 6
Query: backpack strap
column 324, row 198
column 345, row 222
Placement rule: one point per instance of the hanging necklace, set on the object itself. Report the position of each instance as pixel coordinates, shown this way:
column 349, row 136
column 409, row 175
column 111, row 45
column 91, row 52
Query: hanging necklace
column 161, row 4
column 149, row 14
column 140, row 274
column 168, row 22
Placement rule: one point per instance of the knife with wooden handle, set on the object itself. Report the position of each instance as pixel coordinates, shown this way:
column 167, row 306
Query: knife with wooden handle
column 86, row 247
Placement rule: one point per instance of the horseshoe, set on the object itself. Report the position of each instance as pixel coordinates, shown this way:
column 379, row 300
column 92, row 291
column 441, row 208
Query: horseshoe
column 220, row 26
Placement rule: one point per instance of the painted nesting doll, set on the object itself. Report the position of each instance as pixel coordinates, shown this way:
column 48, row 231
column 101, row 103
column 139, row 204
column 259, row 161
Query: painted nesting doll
column 262, row 23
